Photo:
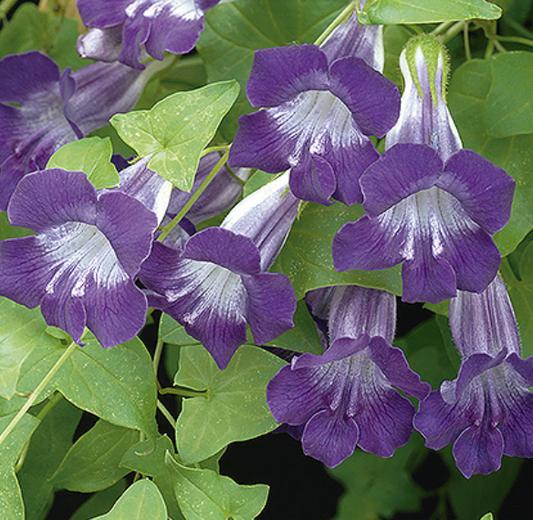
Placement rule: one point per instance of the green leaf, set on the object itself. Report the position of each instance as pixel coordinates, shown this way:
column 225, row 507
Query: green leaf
column 509, row 104
column 521, row 292
column 186, row 73
column 176, row 130
column 386, row 12
column 377, row 488
column 92, row 464
column 488, row 516
column 233, row 32
column 303, row 337
column 201, row 494
column 141, row 500
column 467, row 96
column 101, row 502
column 11, row 503
column 234, row 406
column 21, row 331
column 95, row 380
column 48, row 446
column 31, row 29
column 170, row 331
column 148, row 458
column 306, row 256
column 394, row 39
column 9, row 231
column 431, row 352
column 90, row 155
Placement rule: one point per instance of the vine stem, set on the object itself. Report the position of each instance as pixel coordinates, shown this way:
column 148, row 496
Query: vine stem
column 468, row 52
column 168, row 416
column 5, row 7
column 37, row 392
column 169, row 227
column 343, row 16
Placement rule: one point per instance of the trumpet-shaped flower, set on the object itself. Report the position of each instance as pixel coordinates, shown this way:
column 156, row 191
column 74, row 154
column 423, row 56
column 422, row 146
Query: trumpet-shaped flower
column 317, row 120
column 218, row 282
column 487, row 411
column 81, row 265
column 428, row 203
column 56, row 108
column 120, row 28
column 346, row 396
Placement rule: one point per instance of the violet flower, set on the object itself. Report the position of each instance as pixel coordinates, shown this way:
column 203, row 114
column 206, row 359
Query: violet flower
column 487, row 411
column 317, row 121
column 119, row 28
column 346, row 396
column 218, row 282
column 81, row 265
column 359, row 41
column 428, row 203
column 56, row 108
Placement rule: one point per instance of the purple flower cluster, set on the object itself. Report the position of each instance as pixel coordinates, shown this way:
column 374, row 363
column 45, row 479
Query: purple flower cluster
column 430, row 205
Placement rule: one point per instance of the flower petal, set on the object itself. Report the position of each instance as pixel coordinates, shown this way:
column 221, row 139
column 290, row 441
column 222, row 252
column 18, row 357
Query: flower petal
column 372, row 98
column 484, row 190
column 279, row 74
column 330, row 437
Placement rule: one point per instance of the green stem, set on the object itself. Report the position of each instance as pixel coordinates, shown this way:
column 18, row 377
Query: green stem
column 221, row 148
column 40, row 416
column 182, row 392
column 5, row 7
column 499, row 46
column 343, row 16
column 441, row 28
column 37, row 392
column 454, row 30
column 234, row 177
column 514, row 39
column 466, row 34
column 166, row 413
column 157, row 357
column 169, row 227
column 489, row 50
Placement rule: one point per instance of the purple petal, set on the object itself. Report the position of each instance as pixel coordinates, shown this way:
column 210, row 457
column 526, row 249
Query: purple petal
column 258, row 144
column 102, row 13
column 330, row 437
column 369, row 243
column 225, row 248
column 117, row 215
column 401, row 171
column 484, row 190
column 270, row 307
column 51, row 198
column 279, row 74
column 371, row 97
column 23, row 76
column 313, row 180
column 391, row 361
column 384, row 417
column 478, row 449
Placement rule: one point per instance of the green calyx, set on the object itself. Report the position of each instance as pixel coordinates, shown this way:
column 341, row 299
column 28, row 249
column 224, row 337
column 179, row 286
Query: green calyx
column 431, row 48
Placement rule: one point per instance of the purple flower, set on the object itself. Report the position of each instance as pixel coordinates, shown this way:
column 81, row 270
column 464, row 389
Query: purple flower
column 359, row 41
column 346, row 396
column 318, row 120
column 55, row 108
column 487, row 411
column 428, row 204
column 218, row 282
column 120, row 27
column 81, row 265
